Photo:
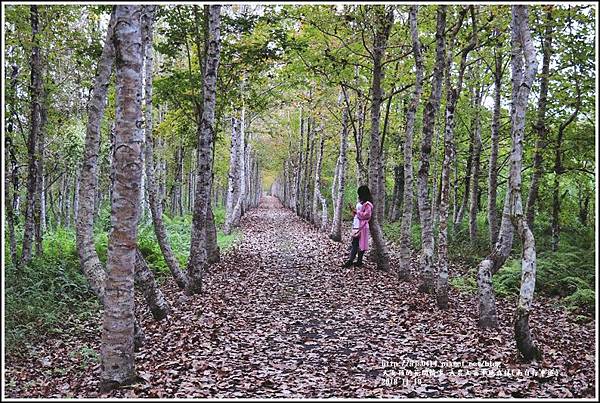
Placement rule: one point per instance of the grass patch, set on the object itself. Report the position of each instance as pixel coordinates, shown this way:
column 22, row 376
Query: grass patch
column 581, row 301
column 227, row 241
column 568, row 273
column 466, row 284
column 51, row 293
column 46, row 295
column 391, row 231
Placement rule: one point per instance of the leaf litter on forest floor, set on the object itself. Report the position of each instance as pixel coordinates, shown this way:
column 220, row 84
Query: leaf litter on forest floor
column 279, row 317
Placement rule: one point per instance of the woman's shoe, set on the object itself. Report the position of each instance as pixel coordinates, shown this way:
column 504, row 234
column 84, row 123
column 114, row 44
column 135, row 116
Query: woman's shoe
column 359, row 262
column 347, row 264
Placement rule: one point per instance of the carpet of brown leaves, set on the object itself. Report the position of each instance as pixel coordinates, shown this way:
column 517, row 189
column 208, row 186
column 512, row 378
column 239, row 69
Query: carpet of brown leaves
column 279, row 317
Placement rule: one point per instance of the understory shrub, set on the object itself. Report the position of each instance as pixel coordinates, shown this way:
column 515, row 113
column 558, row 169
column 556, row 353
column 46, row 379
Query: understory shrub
column 51, row 293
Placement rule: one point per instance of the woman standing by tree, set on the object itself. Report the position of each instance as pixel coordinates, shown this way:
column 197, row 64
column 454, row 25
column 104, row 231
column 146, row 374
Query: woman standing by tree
column 360, row 225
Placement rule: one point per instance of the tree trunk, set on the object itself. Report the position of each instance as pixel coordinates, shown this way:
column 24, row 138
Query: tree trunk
column 497, row 257
column 294, row 202
column 143, row 198
column 455, row 207
column 318, row 197
column 396, row 202
column 452, row 96
column 190, row 184
column 300, row 177
column 117, row 352
column 490, row 265
column 86, row 249
column 176, row 189
column 239, row 206
column 540, row 125
column 32, row 139
column 248, row 159
column 162, row 172
column 555, row 221
column 9, row 180
column 111, row 152
column 431, row 108
column 40, row 199
column 381, row 35
column 213, row 253
column 51, row 211
column 338, row 206
column 559, row 169
column 66, row 201
column 59, row 197
column 381, row 184
column 254, row 183
column 76, row 182
column 144, row 279
column 474, row 196
column 314, row 212
column 284, row 185
column 408, row 196
column 257, row 184
column 436, row 186
column 361, row 169
column 291, row 175
column 522, row 46
column 291, row 172
column 584, row 206
column 525, row 343
column 155, row 207
column 233, row 177
column 334, row 182
column 90, row 263
column 310, row 151
column 460, row 212
column 287, row 180
column 493, row 167
column 198, row 254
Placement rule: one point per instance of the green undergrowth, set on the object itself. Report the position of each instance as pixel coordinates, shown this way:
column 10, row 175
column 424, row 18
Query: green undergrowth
column 568, row 273
column 51, row 294
column 47, row 295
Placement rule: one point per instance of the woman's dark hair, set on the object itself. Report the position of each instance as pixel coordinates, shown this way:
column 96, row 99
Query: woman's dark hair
column 364, row 194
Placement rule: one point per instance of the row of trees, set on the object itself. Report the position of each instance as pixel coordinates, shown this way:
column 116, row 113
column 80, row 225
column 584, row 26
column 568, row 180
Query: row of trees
column 133, row 169
column 244, row 182
column 65, row 70
column 315, row 100
column 467, row 49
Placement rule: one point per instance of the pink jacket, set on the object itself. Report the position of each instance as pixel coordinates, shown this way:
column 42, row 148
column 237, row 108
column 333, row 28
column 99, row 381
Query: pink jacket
column 364, row 215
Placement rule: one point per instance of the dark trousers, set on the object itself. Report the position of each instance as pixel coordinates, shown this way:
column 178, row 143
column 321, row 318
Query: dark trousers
column 354, row 251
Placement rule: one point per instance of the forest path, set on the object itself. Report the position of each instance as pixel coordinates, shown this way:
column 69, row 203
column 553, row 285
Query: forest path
column 279, row 317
